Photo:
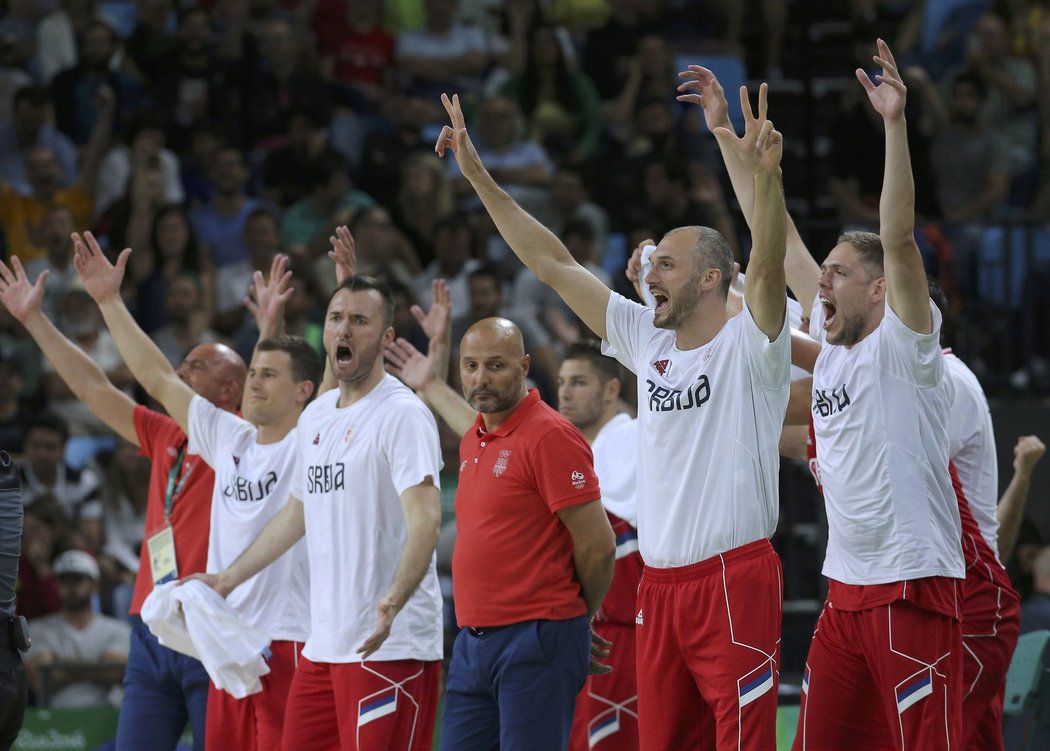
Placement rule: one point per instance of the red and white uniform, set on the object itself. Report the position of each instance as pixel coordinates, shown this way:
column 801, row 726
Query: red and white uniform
column 709, row 422
column 607, row 709
column 884, row 668
column 990, row 606
column 252, row 483
column 354, row 464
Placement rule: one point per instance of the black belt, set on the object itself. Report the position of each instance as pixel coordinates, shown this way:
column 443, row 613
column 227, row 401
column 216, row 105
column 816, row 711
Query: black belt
column 482, row 630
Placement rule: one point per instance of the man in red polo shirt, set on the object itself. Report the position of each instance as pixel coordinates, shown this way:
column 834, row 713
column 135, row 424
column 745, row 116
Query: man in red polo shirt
column 162, row 688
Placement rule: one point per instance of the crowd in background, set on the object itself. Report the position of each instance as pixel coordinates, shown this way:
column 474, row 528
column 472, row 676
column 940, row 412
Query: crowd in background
column 211, row 136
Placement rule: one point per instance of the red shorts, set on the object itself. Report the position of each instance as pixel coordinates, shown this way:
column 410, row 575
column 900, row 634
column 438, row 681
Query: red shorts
column 885, row 677
column 709, row 651
column 373, row 706
column 607, row 709
column 256, row 721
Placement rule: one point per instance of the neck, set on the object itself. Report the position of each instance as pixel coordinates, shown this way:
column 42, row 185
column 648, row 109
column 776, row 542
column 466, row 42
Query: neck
column 276, row 431
column 79, row 619
column 353, row 391
column 494, row 419
column 47, row 476
column 703, row 326
column 229, row 203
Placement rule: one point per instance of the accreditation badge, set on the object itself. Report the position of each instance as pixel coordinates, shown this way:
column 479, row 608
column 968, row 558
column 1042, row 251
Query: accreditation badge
column 162, row 555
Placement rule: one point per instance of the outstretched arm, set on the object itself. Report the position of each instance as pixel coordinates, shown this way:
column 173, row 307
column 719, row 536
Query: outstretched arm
column 1027, row 453
column 702, row 88
column 906, row 289
column 760, row 150
column 85, row 379
column 534, row 244
column 145, row 360
column 418, row 373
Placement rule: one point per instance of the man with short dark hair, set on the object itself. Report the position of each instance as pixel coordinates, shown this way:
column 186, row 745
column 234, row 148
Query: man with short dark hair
column 45, row 472
column 30, row 127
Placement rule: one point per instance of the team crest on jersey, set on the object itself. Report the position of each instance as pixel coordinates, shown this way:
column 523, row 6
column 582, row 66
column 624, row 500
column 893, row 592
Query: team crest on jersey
column 236, row 460
column 348, row 435
column 317, row 439
column 501, row 463
column 662, row 366
column 578, row 480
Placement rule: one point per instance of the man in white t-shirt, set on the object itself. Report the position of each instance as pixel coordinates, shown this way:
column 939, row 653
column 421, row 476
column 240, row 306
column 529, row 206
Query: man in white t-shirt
column 711, row 405
column 366, row 496
column 254, row 460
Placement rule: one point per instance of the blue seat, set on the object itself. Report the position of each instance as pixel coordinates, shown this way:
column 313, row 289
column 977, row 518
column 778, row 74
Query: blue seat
column 1026, row 704
column 730, row 72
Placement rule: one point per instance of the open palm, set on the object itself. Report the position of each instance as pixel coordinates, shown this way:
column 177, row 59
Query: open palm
column 701, row 87
column 101, row 278
column 761, row 146
column 455, row 137
column 16, row 293
column 890, row 95
column 437, row 321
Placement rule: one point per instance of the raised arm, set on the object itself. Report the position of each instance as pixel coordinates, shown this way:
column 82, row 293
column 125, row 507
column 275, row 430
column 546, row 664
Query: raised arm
column 800, row 270
column 84, row 378
column 760, row 150
column 268, row 297
column 422, row 506
column 344, row 260
column 147, row 363
column 536, row 246
column 418, row 373
column 906, row 288
column 1027, row 453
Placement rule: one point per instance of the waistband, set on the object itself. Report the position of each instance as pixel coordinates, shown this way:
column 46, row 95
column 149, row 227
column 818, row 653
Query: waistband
column 708, row 566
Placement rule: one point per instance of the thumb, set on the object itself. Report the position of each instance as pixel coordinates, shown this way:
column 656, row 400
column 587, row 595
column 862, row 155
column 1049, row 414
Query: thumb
column 122, row 259
column 417, row 313
column 42, row 279
column 724, row 135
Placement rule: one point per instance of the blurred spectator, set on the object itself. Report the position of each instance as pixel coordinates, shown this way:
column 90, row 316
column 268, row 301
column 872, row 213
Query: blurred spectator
column 262, row 238
column 521, row 167
column 970, row 161
column 151, row 46
column 79, row 319
column 172, row 249
column 303, row 307
column 58, row 225
column 651, row 75
column 220, row 224
column 285, row 171
column 125, row 492
column 405, row 324
column 21, row 217
column 30, row 128
column 43, row 532
column 200, row 149
column 357, row 52
column 381, row 250
column 58, row 33
column 186, row 327
column 284, row 84
column 424, row 200
column 78, row 656
column 570, row 200
column 455, row 258
column 308, row 223
column 75, row 90
column 44, row 472
column 561, row 106
column 13, row 414
column 1035, row 613
column 609, row 51
column 144, row 145
column 443, row 56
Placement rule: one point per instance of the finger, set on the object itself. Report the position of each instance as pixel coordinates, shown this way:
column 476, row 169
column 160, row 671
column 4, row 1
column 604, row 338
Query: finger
column 763, row 95
column 864, row 80
column 599, row 639
column 285, row 296
column 78, row 244
column 763, row 140
column 886, row 52
column 5, row 273
column 745, row 105
column 724, row 134
column 440, row 293
column 691, row 98
column 887, row 67
column 417, row 313
column 249, row 303
column 41, row 280
column 122, row 259
column 444, row 139
column 92, row 243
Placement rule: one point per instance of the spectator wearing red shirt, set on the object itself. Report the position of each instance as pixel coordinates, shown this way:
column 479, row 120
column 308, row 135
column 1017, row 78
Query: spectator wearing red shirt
column 355, row 49
column 163, row 689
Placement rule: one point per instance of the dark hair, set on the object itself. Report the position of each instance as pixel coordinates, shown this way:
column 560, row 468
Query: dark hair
column 191, row 259
column 591, row 351
column 528, row 96
column 579, row 227
column 321, row 169
column 97, row 23
column 47, row 421
column 38, row 96
column 487, row 271
column 306, row 363
column 973, row 78
column 262, row 211
column 144, row 119
column 458, row 221
column 868, row 246
column 362, row 283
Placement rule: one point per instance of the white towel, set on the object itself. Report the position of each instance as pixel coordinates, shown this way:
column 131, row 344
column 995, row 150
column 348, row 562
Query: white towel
column 195, row 620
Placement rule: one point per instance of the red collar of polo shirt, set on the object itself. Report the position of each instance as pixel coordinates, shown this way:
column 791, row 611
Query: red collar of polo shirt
column 513, row 419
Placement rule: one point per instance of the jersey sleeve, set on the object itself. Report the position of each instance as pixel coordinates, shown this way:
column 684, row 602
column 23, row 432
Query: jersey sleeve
column 625, row 324
column 916, row 358
column 770, row 360
column 411, row 445
column 966, row 418
column 211, row 429
column 155, row 432
column 564, row 469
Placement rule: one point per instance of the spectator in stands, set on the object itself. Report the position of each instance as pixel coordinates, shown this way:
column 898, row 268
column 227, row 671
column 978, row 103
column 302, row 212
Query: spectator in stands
column 381, row 249
column 262, row 238
column 150, row 46
column 356, row 52
column 1035, row 613
column 58, row 225
column 443, row 55
column 455, row 259
column 13, row 413
column 144, row 145
column 44, row 533
column 561, row 106
column 186, row 327
column 58, row 35
column 220, row 224
column 650, row 75
column 302, row 311
column 21, row 215
column 75, row 89
column 79, row 319
column 78, row 656
column 30, row 127
column 424, row 200
column 610, row 50
column 307, row 224
column 44, row 471
column 570, row 200
column 285, row 171
column 124, row 495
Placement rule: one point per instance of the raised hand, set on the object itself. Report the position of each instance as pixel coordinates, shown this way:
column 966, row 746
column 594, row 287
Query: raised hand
column 101, row 278
column 21, row 298
column 343, row 254
column 409, row 364
column 270, row 295
column 455, row 137
column 761, row 146
column 437, row 321
column 890, row 95
column 705, row 91
column 1027, row 453
column 633, row 272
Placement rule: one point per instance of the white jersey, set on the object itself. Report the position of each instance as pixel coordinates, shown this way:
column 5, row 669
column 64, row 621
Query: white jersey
column 252, row 484
column 355, row 462
column 615, row 451
column 709, row 422
column 972, row 445
column 880, row 416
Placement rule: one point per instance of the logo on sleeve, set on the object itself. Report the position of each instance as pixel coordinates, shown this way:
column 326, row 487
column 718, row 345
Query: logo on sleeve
column 501, row 463
column 317, row 439
column 578, row 480
column 662, row 366
column 347, row 436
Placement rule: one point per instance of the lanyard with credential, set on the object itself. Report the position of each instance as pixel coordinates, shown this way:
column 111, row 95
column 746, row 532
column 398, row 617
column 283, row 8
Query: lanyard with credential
column 162, row 544
column 173, row 490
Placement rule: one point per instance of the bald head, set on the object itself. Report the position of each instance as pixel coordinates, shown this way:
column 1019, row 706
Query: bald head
column 497, row 332
column 493, row 366
column 215, row 372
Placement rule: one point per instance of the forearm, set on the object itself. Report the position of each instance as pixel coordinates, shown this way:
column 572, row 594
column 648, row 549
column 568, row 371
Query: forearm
column 279, row 534
column 768, row 223
column 594, row 571
column 147, row 363
column 450, row 406
column 897, row 203
column 424, row 528
column 801, row 272
column 1010, row 512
